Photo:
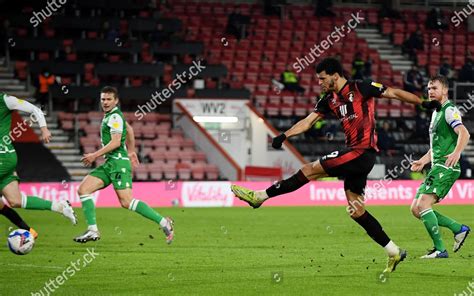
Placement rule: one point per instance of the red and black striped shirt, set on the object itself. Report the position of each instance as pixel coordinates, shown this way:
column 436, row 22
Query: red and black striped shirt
column 354, row 106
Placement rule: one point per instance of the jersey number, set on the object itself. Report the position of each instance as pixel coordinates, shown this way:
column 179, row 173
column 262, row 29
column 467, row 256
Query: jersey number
column 331, row 155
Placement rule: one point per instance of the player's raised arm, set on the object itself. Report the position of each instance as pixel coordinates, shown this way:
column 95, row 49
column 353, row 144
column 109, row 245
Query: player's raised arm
column 408, row 97
column 13, row 103
column 377, row 90
column 300, row 127
column 130, row 142
column 401, row 95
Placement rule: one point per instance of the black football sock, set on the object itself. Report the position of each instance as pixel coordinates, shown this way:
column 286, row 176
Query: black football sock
column 13, row 216
column 288, row 185
column 373, row 228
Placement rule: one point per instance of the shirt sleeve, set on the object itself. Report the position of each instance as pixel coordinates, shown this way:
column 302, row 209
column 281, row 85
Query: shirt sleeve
column 369, row 88
column 115, row 123
column 453, row 117
column 36, row 115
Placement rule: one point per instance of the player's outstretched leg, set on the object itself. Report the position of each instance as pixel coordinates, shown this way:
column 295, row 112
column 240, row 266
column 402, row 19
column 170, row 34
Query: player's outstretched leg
column 140, row 207
column 13, row 216
column 357, row 211
column 255, row 199
column 460, row 231
column 421, row 208
column 16, row 200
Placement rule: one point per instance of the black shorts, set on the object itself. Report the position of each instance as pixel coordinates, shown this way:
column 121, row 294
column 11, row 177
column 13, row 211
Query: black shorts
column 353, row 165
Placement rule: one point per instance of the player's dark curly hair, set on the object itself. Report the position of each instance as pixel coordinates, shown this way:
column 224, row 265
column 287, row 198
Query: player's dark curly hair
column 330, row 66
column 110, row 90
column 442, row 79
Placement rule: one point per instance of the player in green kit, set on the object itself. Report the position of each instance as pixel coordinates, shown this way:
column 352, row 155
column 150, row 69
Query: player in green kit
column 116, row 137
column 448, row 138
column 8, row 161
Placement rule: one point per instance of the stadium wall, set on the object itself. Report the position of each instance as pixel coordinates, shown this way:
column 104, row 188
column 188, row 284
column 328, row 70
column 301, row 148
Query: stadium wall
column 218, row 194
column 214, row 152
column 288, row 158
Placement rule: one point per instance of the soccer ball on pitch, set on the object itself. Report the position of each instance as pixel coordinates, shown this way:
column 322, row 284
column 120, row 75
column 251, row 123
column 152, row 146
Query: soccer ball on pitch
column 20, row 241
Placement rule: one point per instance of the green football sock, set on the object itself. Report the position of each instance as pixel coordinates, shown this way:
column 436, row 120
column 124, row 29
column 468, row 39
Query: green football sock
column 447, row 222
column 35, row 203
column 88, row 208
column 431, row 225
column 143, row 209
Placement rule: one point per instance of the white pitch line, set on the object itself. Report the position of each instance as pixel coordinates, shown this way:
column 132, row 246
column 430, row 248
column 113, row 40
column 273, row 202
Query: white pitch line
column 31, row 265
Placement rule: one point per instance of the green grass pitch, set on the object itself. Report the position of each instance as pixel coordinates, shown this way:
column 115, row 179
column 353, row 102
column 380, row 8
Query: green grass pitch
column 237, row 251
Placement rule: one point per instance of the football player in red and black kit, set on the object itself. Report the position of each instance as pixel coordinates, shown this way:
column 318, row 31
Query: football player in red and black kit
column 353, row 103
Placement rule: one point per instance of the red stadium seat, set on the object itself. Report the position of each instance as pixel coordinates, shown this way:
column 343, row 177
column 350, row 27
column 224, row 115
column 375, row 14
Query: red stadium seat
column 212, row 172
column 408, row 111
column 92, row 35
column 170, row 172
column 200, row 157
column 387, row 27
column 184, row 171
column 398, row 38
column 186, row 156
column 156, row 171
column 172, row 157
column 300, row 110
column 395, row 112
column 198, row 171
column 141, row 172
column 381, row 111
column 188, row 145
column 459, row 61
column 422, row 59
column 399, row 27
column 286, row 110
column 272, row 109
column 159, row 143
column 43, row 56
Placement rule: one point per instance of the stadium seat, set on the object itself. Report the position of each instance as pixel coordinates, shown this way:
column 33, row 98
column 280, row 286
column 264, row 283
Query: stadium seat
column 212, row 172
column 200, row 157
column 198, row 172
column 188, row 145
column 156, row 171
column 141, row 172
column 169, row 171
column 184, row 171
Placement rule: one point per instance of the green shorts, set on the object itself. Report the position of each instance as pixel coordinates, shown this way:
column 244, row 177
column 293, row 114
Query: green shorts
column 117, row 172
column 439, row 181
column 8, row 163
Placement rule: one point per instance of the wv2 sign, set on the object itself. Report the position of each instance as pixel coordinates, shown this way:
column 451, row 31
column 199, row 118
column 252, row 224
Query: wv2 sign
column 213, row 108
